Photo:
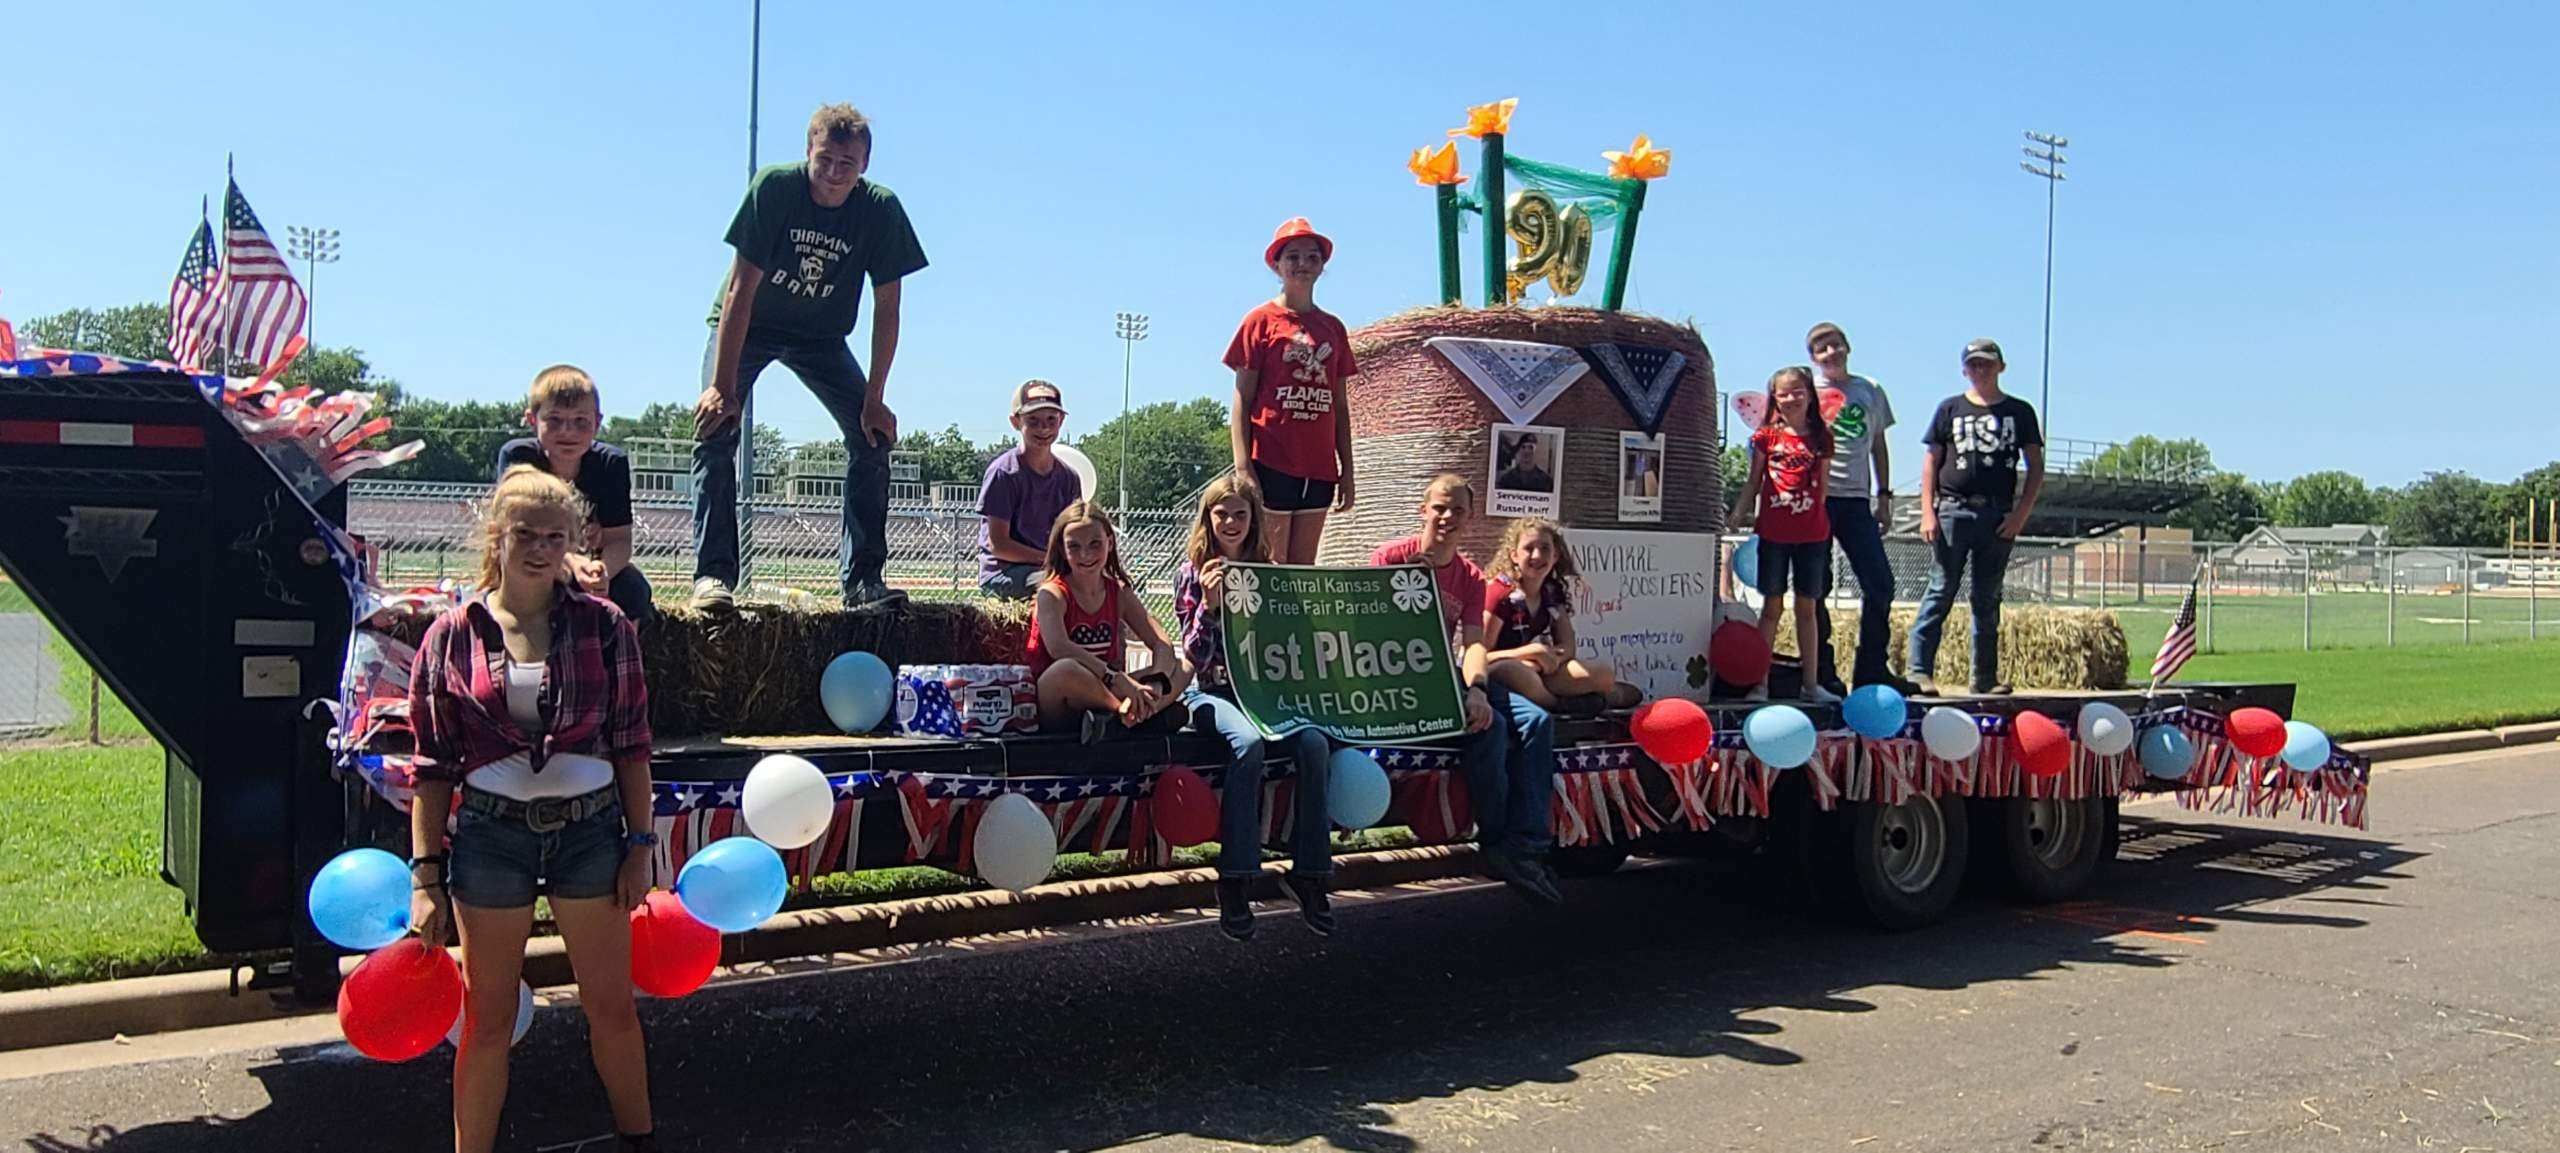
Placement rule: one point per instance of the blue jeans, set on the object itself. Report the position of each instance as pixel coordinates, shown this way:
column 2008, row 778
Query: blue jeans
column 828, row 368
column 630, row 593
column 1511, row 775
column 1968, row 536
column 1240, row 811
column 1861, row 541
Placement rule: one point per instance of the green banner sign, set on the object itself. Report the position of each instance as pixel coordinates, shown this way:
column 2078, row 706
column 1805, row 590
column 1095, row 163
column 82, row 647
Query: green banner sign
column 1360, row 654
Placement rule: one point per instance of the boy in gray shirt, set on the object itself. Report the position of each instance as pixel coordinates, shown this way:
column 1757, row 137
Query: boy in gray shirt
column 1860, row 467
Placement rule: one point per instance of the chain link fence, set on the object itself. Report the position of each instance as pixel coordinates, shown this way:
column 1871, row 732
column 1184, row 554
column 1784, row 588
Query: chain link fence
column 2254, row 597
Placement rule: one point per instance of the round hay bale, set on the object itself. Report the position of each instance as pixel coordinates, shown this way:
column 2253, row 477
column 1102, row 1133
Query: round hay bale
column 1414, row 415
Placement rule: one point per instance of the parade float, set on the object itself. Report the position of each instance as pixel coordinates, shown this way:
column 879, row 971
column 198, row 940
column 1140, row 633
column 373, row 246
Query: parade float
column 185, row 531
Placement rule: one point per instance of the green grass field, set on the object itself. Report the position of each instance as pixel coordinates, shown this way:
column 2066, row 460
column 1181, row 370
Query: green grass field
column 81, row 897
column 2341, row 620
column 2359, row 693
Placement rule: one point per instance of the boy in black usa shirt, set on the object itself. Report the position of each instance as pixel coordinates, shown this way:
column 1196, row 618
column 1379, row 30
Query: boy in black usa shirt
column 1972, row 508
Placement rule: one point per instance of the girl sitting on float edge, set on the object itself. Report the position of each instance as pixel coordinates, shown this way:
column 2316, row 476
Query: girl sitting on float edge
column 1528, row 614
column 1080, row 616
column 1229, row 529
column 532, row 694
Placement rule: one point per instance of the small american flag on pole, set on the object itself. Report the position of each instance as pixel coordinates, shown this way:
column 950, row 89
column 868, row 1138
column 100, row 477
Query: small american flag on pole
column 195, row 301
column 2180, row 644
column 262, row 306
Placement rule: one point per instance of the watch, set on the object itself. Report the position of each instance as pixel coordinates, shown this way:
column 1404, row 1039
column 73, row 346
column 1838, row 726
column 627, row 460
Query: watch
column 640, row 840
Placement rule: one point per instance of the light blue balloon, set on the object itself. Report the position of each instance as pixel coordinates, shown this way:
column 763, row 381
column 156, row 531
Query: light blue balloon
column 1355, row 789
column 2306, row 748
column 856, row 690
column 2166, row 752
column 1875, row 712
column 1780, row 735
column 360, row 899
column 1746, row 562
column 734, row 885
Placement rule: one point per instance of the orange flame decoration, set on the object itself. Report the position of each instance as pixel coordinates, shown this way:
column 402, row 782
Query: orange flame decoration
column 1488, row 119
column 1436, row 166
column 1641, row 161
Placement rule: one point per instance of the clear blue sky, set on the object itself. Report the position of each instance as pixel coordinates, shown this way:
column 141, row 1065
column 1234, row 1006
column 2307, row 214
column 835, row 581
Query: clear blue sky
column 2315, row 235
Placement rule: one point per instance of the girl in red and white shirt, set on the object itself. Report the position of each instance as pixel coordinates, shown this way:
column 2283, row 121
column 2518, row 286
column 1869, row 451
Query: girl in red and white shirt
column 1528, row 620
column 1288, row 425
column 1785, row 488
column 1079, row 616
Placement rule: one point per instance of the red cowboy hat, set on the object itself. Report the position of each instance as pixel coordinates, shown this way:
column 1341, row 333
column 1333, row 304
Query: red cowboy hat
column 1292, row 229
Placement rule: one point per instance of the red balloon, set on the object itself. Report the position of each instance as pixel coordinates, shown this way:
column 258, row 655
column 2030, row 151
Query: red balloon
column 1673, row 731
column 1185, row 810
column 672, row 954
column 1738, row 653
column 2255, row 731
column 2043, row 748
column 400, row 1000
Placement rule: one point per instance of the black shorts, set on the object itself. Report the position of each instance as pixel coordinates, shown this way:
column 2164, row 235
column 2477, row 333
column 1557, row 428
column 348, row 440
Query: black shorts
column 1282, row 492
column 1801, row 566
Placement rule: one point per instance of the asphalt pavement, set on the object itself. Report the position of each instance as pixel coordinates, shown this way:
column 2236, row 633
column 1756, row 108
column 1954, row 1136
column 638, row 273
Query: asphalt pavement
column 2230, row 984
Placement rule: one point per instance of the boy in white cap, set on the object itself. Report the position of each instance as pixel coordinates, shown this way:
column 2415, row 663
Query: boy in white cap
column 1024, row 490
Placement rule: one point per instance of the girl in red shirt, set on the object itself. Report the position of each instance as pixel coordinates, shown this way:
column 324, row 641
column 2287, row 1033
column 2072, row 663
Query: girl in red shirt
column 1287, row 425
column 1784, row 488
column 1528, row 620
column 1077, row 623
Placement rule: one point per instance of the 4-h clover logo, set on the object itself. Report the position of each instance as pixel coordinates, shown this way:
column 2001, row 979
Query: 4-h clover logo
column 1413, row 590
column 1244, row 591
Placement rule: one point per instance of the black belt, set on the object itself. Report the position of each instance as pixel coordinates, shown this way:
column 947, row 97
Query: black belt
column 1970, row 501
column 546, row 814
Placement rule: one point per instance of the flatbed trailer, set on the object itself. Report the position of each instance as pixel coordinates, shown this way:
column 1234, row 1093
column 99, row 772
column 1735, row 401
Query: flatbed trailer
column 207, row 574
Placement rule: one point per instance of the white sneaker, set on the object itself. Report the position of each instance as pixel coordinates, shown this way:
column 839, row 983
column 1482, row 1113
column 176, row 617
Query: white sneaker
column 1757, row 693
column 1818, row 695
column 712, row 593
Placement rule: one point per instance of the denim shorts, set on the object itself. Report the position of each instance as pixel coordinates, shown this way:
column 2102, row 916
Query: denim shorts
column 501, row 863
column 1805, row 567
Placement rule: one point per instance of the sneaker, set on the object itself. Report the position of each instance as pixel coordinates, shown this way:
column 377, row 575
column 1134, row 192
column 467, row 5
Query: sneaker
column 1583, row 705
column 1522, row 876
column 1314, row 907
column 1542, row 878
column 1759, row 692
column 1235, row 908
column 712, row 594
column 1923, row 686
column 1625, row 696
column 1093, row 727
column 1897, row 684
column 1999, row 690
column 1832, row 685
column 1819, row 695
column 871, row 596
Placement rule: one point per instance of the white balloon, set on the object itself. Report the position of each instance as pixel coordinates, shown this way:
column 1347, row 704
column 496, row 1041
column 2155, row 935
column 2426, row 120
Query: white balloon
column 787, row 802
column 1081, row 465
column 1950, row 733
column 2105, row 729
column 524, row 1018
column 1015, row 845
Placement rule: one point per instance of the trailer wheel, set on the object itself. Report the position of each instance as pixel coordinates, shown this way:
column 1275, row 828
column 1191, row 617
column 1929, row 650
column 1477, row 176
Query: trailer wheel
column 1906, row 862
column 1588, row 860
column 2052, row 847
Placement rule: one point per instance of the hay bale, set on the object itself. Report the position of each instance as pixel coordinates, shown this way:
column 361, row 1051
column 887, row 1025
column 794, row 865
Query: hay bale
column 2040, row 647
column 1414, row 415
column 754, row 672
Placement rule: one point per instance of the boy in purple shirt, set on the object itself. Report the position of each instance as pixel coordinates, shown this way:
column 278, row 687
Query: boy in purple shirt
column 1023, row 492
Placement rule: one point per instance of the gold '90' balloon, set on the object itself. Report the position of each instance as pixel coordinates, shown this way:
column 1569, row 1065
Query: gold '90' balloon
column 1555, row 245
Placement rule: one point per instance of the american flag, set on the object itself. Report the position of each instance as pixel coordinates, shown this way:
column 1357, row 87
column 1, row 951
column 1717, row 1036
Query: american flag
column 262, row 306
column 195, row 301
column 2180, row 644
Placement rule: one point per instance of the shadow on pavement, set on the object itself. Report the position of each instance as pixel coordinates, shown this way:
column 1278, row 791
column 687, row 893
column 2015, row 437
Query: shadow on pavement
column 1286, row 1039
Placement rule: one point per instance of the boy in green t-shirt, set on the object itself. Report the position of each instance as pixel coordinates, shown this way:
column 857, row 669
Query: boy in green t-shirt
column 805, row 237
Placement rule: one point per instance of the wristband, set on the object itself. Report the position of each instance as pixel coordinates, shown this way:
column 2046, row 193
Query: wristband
column 436, row 859
column 640, row 840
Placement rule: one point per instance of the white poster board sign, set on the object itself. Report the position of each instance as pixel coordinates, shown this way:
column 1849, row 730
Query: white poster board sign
column 1646, row 603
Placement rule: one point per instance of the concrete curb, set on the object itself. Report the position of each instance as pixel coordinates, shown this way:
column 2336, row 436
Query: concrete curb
column 2457, row 741
column 102, row 1010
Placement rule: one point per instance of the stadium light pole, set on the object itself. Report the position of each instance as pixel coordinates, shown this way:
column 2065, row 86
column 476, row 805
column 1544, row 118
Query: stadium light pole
column 313, row 247
column 2045, row 159
column 1131, row 328
column 747, row 403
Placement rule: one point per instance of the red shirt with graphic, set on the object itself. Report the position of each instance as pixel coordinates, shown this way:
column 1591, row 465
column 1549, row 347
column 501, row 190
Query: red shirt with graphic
column 1098, row 631
column 1299, row 361
column 1791, row 482
column 1461, row 582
